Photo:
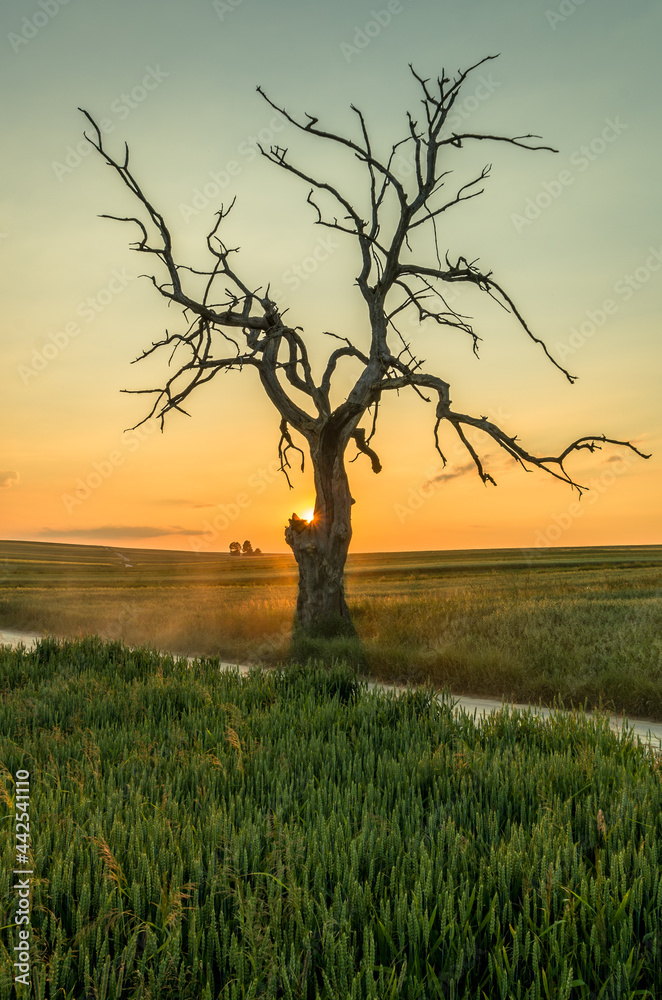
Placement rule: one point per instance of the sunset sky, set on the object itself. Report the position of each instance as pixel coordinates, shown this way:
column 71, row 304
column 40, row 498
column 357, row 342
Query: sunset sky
column 575, row 237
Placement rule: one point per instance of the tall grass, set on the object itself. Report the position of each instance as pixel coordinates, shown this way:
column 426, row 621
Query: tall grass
column 581, row 625
column 595, row 648
column 199, row 834
column 591, row 648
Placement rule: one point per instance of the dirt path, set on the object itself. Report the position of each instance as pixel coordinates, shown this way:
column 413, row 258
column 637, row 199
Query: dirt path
column 646, row 731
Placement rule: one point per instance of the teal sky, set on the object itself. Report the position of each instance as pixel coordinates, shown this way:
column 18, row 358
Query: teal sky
column 564, row 233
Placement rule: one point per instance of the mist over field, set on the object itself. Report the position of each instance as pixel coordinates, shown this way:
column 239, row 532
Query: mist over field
column 526, row 625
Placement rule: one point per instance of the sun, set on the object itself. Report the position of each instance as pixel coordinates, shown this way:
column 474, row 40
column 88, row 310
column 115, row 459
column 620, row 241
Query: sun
column 308, row 514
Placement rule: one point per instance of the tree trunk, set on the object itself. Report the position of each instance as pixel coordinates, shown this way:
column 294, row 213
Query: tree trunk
column 320, row 546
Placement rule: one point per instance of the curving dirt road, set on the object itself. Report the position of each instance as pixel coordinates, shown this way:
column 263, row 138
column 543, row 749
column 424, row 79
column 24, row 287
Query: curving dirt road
column 647, row 732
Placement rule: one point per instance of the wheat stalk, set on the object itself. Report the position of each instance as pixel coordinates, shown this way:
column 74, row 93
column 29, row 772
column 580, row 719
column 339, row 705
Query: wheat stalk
column 112, row 868
column 234, row 741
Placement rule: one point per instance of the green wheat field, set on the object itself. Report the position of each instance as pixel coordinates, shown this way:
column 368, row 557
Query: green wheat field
column 197, row 833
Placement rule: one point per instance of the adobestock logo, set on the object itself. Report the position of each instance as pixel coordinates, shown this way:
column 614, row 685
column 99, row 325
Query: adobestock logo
column 625, row 288
column 581, row 159
column 564, row 521
column 223, row 7
column 31, row 26
column 437, row 476
column 88, row 310
column 565, row 10
column 484, row 90
column 404, row 164
column 228, row 513
column 121, row 108
column 379, row 20
column 206, row 194
column 102, row 470
column 296, row 274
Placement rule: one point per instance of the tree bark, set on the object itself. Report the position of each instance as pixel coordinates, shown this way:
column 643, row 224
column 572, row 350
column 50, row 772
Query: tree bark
column 320, row 546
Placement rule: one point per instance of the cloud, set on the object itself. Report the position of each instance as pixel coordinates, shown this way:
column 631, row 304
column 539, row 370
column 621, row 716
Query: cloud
column 9, row 478
column 183, row 503
column 444, row 477
column 116, row 531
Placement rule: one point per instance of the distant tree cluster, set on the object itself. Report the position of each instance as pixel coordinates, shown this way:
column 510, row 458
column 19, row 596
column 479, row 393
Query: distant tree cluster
column 246, row 549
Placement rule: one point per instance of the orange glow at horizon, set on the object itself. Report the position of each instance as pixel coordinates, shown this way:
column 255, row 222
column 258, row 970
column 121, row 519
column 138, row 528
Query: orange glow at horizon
column 583, row 266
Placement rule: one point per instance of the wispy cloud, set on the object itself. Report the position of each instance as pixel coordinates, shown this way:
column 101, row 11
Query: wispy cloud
column 619, row 459
column 182, row 503
column 9, row 478
column 117, row 531
column 444, row 477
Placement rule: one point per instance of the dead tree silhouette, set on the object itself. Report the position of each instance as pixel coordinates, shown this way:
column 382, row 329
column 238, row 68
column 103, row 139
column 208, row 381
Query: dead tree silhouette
column 247, row 330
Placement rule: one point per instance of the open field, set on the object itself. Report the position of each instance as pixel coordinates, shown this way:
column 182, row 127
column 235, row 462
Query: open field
column 584, row 625
column 197, row 835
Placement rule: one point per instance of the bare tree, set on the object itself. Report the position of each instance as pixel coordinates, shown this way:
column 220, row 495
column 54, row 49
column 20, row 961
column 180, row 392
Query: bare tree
column 247, row 328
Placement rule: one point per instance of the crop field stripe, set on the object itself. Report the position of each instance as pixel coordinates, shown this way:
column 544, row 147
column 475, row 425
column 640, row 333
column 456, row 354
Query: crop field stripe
column 203, row 834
